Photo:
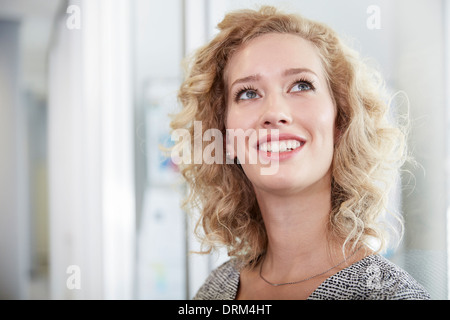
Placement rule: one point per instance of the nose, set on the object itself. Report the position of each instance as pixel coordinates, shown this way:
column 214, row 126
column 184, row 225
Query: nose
column 276, row 113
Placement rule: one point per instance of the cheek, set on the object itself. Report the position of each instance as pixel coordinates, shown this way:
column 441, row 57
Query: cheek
column 236, row 120
column 329, row 127
column 230, row 118
column 324, row 125
column 233, row 122
column 327, row 117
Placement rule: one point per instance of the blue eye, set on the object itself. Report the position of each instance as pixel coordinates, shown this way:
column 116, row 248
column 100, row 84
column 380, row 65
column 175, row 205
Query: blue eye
column 247, row 94
column 301, row 86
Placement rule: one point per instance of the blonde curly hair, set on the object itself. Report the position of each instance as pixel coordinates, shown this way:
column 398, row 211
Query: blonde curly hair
column 368, row 152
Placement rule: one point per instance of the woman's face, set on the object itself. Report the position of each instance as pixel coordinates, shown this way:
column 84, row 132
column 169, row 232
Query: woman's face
column 276, row 89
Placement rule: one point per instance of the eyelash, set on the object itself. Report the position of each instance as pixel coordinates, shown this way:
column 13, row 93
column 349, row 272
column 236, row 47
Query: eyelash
column 304, row 80
column 242, row 90
column 250, row 88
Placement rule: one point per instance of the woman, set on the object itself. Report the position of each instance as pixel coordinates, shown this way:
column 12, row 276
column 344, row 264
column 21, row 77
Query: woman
column 300, row 100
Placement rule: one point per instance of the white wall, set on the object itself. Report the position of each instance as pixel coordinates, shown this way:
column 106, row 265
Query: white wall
column 420, row 72
column 91, row 167
column 161, row 234
column 14, row 203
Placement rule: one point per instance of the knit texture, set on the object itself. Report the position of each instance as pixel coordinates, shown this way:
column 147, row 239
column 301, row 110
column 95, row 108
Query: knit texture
column 372, row 278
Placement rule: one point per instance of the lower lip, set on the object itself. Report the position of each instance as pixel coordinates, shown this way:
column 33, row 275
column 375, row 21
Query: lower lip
column 280, row 156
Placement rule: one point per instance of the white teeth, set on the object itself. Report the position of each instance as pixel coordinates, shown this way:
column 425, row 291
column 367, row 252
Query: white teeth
column 275, row 147
column 263, row 147
column 280, row 146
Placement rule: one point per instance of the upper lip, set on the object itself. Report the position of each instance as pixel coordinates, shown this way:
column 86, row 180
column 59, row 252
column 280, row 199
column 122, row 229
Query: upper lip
column 279, row 137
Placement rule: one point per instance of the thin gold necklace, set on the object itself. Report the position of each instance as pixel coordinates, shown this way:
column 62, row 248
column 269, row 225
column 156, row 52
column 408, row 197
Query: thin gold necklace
column 306, row 279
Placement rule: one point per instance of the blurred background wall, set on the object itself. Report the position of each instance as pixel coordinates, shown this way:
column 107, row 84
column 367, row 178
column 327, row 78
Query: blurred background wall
column 89, row 208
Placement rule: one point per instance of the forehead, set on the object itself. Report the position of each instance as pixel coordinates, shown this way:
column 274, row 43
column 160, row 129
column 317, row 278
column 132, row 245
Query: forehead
column 272, row 53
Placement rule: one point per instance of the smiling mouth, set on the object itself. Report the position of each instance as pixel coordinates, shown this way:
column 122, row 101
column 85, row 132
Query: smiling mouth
column 280, row 146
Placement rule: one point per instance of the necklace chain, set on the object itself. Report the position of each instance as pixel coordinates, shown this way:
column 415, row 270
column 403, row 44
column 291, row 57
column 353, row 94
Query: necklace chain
column 306, row 279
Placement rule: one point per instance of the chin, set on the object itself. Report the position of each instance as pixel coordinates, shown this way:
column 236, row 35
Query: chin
column 277, row 183
column 287, row 182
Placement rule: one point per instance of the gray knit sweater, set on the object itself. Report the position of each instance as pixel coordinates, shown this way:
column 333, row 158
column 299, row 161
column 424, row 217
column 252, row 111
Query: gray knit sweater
column 372, row 278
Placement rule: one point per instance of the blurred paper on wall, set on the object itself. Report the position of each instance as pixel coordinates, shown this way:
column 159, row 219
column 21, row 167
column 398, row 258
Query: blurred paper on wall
column 160, row 252
column 160, row 101
column 161, row 235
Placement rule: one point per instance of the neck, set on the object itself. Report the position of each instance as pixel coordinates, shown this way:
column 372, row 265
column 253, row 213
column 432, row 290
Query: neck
column 297, row 229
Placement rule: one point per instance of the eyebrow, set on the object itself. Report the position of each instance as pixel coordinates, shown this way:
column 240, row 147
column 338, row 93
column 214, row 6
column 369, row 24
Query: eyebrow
column 294, row 71
column 288, row 72
column 252, row 78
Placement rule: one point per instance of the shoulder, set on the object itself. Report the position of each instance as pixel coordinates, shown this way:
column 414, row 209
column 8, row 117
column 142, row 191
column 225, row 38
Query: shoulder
column 372, row 278
column 221, row 284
